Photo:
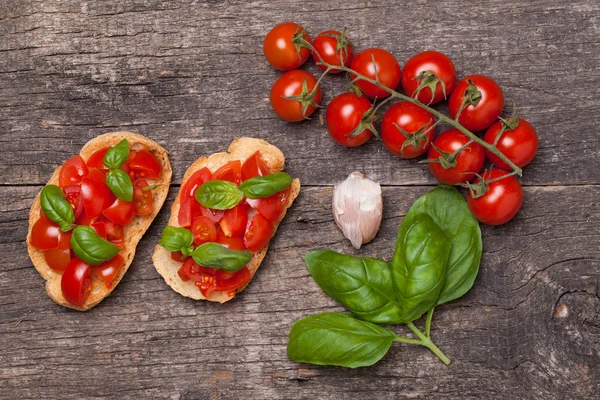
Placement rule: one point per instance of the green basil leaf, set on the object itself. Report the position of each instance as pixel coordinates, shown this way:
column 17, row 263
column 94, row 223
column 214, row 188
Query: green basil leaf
column 218, row 256
column 120, row 184
column 363, row 285
column 116, row 156
column 219, row 195
column 449, row 210
column 338, row 339
column 91, row 248
column 419, row 265
column 57, row 208
column 265, row 186
column 177, row 239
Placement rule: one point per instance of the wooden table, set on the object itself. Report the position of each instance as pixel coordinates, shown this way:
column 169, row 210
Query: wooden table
column 191, row 75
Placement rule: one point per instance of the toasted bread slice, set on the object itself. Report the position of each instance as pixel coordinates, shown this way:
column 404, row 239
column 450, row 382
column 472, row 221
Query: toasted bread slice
column 240, row 149
column 133, row 232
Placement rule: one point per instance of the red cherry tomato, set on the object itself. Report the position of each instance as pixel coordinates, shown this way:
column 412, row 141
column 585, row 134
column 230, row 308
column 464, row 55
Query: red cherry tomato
column 57, row 259
column 233, row 243
column 145, row 165
column 76, row 282
column 64, row 240
column 144, row 203
column 115, row 234
column 259, row 233
column 44, row 234
column 385, row 67
column 226, row 281
column 72, row 171
column 73, row 195
column 97, row 175
column 269, row 207
column 254, row 166
column 120, row 212
column 210, row 280
column 234, row 221
column 344, row 114
column 281, row 51
column 231, row 172
column 100, row 228
column 214, row 215
column 188, row 206
column 418, row 71
column 486, row 110
column 108, row 270
column 204, row 230
column 96, row 160
column 177, row 256
column 520, row 145
column 96, row 196
column 411, row 119
column 501, row 202
column 333, row 48
column 468, row 162
column 289, row 85
column 126, row 165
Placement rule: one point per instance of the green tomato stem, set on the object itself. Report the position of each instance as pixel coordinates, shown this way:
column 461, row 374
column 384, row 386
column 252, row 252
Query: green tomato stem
column 426, row 342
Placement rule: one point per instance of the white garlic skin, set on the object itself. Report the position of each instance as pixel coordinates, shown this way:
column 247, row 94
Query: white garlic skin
column 357, row 208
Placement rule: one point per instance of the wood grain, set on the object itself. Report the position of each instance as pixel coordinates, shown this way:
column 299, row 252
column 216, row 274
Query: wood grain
column 191, row 75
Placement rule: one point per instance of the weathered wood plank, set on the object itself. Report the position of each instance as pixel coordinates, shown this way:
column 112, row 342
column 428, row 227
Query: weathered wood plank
column 529, row 328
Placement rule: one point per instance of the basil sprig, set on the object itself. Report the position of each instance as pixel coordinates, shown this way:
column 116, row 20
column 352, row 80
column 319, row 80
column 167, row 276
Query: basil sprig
column 219, row 195
column 91, row 248
column 265, row 186
column 177, row 239
column 218, row 256
column 57, row 208
column 120, row 184
column 117, row 155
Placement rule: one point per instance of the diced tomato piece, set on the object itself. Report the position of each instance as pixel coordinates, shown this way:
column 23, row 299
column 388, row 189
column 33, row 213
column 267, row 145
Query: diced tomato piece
column 108, row 270
column 232, row 243
column 234, row 221
column 254, row 166
column 177, row 256
column 64, row 240
column 145, row 165
column 73, row 195
column 87, row 221
column 97, row 175
column 45, row 234
column 72, row 171
column 76, row 282
column 232, row 172
column 189, row 270
column 57, row 259
column 100, row 228
column 120, row 212
column 143, row 200
column 209, row 280
column 259, row 233
column 204, row 230
column 96, row 160
column 214, row 215
column 126, row 165
column 115, row 234
column 188, row 206
column 96, row 196
column 269, row 207
column 227, row 282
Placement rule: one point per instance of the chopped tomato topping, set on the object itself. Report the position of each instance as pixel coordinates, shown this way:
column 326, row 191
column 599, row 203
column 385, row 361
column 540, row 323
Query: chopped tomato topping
column 73, row 195
column 72, row 171
column 76, row 282
column 96, row 160
column 177, row 256
column 232, row 243
column 120, row 212
column 204, row 230
column 44, row 234
column 143, row 200
column 259, row 233
column 57, row 259
column 232, row 172
column 188, row 206
column 96, row 196
column 145, row 165
column 254, row 166
column 234, row 221
column 108, row 270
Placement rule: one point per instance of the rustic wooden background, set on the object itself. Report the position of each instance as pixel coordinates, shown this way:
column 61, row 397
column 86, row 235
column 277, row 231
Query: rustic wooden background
column 191, row 75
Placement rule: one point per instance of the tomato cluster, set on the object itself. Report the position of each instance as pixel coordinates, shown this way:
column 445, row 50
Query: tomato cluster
column 94, row 205
column 407, row 128
column 247, row 226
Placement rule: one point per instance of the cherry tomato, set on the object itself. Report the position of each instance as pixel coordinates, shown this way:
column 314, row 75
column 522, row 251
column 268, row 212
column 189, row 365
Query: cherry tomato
column 280, row 48
column 214, row 215
column 485, row 111
column 226, row 281
column 76, row 282
column 254, row 166
column 204, row 230
column 422, row 69
column 210, row 280
column 520, row 144
column 57, row 259
column 187, row 201
column 73, row 195
column 144, row 203
column 344, row 114
column 467, row 163
column 269, row 207
column 385, row 67
column 233, row 243
column 108, row 270
column 96, row 160
column 97, row 175
column 333, row 48
column 100, row 227
column 126, row 165
column 120, row 212
column 177, row 256
column 115, row 234
column 145, row 165
column 291, row 84
column 412, row 119
column 64, row 240
column 259, row 233
column 501, row 202
column 96, row 196
column 231, row 171
column 44, row 234
column 72, row 171
column 234, row 221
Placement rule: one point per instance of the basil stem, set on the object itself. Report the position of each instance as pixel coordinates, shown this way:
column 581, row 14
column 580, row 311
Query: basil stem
column 120, row 184
column 91, row 248
column 265, row 186
column 117, row 155
column 57, row 208
column 220, row 257
column 219, row 195
column 177, row 239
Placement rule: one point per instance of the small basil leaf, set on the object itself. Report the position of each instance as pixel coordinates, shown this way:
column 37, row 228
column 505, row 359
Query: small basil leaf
column 91, row 248
column 219, row 195
column 449, row 210
column 220, row 257
column 338, row 339
column 116, row 156
column 57, row 208
column 363, row 285
column 419, row 265
column 120, row 184
column 177, row 239
column 265, row 186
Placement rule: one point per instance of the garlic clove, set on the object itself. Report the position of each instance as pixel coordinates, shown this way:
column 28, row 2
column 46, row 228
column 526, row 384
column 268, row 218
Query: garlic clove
column 357, row 208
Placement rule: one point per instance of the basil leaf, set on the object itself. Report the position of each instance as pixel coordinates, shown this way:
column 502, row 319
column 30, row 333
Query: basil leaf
column 219, row 195
column 91, row 248
column 338, row 339
column 449, row 210
column 120, row 184
column 419, row 265
column 177, row 239
column 363, row 285
column 116, row 156
column 57, row 208
column 265, row 186
column 220, row 257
